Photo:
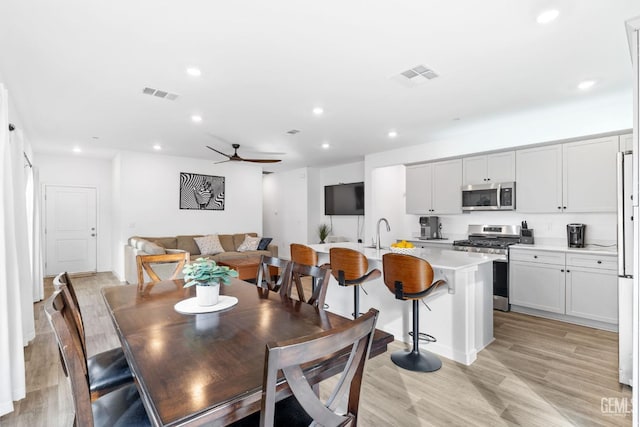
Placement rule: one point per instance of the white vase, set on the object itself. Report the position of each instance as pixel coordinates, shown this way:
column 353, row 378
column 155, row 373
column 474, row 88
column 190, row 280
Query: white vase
column 207, row 295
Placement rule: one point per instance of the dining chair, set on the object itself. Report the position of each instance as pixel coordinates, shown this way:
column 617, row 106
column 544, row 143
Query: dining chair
column 145, row 263
column 305, row 407
column 349, row 267
column 107, row 370
column 274, row 274
column 122, row 406
column 302, row 254
column 320, row 277
column 411, row 278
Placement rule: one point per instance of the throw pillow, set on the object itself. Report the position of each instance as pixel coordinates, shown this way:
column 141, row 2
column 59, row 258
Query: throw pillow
column 209, row 245
column 249, row 244
column 264, row 243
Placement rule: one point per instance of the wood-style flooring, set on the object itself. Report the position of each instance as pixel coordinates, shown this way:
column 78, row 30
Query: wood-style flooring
column 538, row 372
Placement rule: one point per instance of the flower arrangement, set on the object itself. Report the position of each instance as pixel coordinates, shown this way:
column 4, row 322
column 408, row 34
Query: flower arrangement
column 206, row 272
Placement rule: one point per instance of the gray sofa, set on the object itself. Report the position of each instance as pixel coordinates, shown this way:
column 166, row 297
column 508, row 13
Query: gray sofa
column 138, row 245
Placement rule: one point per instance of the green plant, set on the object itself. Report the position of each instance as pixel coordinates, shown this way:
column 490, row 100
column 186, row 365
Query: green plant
column 206, row 272
column 323, row 231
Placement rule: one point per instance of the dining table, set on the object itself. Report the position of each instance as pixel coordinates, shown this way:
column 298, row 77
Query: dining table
column 207, row 368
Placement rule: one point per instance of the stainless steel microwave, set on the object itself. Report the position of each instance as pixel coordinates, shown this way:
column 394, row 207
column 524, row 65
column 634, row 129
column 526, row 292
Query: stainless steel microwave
column 499, row 196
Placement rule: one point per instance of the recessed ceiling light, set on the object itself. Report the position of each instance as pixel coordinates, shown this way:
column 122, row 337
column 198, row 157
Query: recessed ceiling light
column 193, row 71
column 196, row 119
column 157, row 147
column 392, row 134
column 587, row 84
column 317, row 111
column 547, row 16
column 326, row 145
column 77, row 150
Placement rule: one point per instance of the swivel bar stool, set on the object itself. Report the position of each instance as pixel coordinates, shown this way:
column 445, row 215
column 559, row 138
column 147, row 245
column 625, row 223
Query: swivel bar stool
column 349, row 267
column 411, row 278
column 301, row 254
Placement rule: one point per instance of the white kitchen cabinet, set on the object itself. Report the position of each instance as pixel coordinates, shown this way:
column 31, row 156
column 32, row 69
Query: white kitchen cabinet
column 486, row 169
column 572, row 177
column 592, row 287
column 589, row 175
column 539, row 179
column 574, row 285
column 434, row 188
column 626, row 142
column 537, row 285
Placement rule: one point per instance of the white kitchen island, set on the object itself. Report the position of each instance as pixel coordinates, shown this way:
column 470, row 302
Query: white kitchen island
column 461, row 316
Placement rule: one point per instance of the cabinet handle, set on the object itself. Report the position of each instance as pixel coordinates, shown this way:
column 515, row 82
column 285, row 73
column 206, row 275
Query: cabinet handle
column 564, row 207
column 599, row 262
column 562, row 271
column 488, row 179
column 568, row 271
column 559, row 207
column 535, row 256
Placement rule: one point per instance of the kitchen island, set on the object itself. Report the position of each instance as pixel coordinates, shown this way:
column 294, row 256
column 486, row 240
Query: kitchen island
column 461, row 316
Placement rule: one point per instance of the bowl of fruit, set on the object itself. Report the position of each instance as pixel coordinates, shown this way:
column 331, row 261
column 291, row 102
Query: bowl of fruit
column 403, row 247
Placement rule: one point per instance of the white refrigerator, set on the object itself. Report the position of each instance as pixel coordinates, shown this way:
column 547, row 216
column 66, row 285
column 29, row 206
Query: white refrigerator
column 625, row 267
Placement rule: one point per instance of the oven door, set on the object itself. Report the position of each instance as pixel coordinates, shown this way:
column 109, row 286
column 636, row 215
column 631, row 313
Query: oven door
column 501, row 285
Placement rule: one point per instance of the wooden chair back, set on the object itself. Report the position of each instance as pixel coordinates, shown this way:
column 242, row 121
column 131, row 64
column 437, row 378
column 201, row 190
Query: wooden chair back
column 145, row 263
column 60, row 315
column 320, row 277
column 408, row 277
column 353, row 263
column 62, row 282
column 278, row 282
column 289, row 356
column 301, row 254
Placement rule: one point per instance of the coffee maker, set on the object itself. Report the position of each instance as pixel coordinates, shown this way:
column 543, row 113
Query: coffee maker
column 430, row 228
column 575, row 235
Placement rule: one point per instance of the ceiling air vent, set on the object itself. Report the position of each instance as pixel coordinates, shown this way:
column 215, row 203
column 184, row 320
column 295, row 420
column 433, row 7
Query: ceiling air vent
column 415, row 76
column 160, row 93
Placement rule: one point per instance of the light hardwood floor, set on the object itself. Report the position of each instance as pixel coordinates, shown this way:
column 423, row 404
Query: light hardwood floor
column 538, row 372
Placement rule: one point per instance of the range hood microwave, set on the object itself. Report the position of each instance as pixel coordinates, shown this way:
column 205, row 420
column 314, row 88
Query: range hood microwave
column 499, row 196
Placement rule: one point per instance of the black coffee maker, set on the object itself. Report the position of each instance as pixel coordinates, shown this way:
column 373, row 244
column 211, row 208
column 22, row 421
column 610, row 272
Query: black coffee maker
column 575, row 235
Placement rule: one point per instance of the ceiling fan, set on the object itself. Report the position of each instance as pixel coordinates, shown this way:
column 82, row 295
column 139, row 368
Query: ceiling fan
column 235, row 158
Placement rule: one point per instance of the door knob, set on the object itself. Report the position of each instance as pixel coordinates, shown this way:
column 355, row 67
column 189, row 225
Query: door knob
column 93, row 234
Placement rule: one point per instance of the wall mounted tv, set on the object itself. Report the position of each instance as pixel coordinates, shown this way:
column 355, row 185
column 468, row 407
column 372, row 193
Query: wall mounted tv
column 344, row 199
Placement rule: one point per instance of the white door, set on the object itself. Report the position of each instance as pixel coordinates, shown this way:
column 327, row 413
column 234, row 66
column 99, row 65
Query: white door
column 70, row 230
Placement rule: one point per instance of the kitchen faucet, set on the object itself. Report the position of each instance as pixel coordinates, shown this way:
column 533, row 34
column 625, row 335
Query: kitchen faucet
column 378, row 231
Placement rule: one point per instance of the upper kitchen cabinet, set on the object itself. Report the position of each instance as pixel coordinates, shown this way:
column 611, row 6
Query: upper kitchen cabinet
column 434, row 188
column 486, row 169
column 572, row 177
column 539, row 179
column 589, row 175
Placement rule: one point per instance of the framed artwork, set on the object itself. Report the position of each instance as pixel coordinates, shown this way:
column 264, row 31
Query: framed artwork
column 201, row 192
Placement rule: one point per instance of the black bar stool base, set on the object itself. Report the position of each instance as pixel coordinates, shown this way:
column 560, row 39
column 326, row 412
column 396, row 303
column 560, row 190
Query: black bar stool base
column 416, row 361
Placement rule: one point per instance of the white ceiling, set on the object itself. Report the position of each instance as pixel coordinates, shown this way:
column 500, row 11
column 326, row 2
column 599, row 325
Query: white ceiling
column 76, row 69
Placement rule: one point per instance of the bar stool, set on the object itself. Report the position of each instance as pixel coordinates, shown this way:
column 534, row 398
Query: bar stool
column 349, row 267
column 411, row 278
column 301, row 254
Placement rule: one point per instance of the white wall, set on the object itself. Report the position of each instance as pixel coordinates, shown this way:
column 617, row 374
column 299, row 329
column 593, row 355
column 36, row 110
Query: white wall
column 147, row 193
column 286, row 208
column 83, row 171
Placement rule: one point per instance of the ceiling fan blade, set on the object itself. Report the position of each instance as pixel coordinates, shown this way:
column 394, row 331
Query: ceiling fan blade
column 261, row 160
column 222, row 161
column 219, row 152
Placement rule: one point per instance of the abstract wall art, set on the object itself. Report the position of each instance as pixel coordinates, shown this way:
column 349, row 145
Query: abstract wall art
column 201, row 192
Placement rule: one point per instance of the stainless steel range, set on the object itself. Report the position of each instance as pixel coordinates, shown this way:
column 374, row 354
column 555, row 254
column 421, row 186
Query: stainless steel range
column 493, row 239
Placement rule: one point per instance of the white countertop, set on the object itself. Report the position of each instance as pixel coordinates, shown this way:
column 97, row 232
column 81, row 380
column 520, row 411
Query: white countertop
column 438, row 258
column 588, row 249
column 430, row 241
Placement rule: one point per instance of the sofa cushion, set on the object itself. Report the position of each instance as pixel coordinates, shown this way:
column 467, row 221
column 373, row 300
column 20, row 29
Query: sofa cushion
column 209, row 245
column 227, row 242
column 264, row 243
column 249, row 244
column 152, row 248
column 186, row 243
column 239, row 238
column 166, row 242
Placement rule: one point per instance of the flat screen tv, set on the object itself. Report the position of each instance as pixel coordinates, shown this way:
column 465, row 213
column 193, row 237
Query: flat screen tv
column 344, row 199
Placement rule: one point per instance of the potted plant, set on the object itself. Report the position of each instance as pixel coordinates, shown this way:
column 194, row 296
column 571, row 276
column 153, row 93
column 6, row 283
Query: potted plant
column 323, row 232
column 207, row 275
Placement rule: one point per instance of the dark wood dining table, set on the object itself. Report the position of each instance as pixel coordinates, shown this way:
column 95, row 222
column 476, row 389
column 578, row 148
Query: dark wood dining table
column 207, row 369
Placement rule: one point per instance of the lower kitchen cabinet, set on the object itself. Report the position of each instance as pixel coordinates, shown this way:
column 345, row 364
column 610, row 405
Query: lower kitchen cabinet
column 582, row 286
column 537, row 285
